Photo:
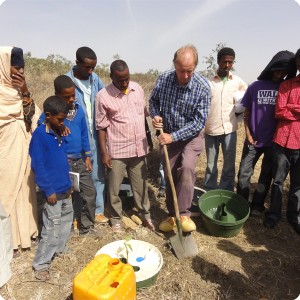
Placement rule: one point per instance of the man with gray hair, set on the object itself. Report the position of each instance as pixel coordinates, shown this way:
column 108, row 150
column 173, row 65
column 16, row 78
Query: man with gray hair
column 179, row 104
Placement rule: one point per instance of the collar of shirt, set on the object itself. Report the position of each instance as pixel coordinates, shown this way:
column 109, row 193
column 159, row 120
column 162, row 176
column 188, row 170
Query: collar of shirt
column 116, row 92
column 229, row 76
column 56, row 136
column 297, row 78
column 187, row 86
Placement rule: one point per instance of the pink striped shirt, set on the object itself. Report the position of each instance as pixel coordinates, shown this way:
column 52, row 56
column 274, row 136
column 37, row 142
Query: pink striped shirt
column 124, row 118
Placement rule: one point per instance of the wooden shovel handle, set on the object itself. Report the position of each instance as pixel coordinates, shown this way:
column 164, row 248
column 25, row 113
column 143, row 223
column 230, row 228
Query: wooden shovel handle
column 175, row 200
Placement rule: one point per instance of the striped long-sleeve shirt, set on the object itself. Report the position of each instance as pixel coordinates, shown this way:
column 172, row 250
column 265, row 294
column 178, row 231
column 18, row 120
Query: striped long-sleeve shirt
column 124, row 118
column 184, row 109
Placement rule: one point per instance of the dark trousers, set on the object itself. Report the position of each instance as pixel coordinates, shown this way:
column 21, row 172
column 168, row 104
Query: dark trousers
column 285, row 161
column 84, row 202
column 183, row 157
column 250, row 156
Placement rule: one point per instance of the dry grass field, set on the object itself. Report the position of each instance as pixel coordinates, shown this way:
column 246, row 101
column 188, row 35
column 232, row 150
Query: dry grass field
column 258, row 263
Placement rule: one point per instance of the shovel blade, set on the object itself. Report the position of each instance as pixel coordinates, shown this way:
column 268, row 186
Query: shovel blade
column 185, row 248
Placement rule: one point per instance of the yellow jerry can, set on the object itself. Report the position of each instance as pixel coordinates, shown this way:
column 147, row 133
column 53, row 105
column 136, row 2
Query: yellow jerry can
column 105, row 278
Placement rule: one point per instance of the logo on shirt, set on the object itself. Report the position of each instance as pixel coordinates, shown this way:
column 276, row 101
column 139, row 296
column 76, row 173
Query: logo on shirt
column 267, row 97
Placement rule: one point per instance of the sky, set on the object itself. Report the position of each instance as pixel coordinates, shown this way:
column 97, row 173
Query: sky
column 146, row 33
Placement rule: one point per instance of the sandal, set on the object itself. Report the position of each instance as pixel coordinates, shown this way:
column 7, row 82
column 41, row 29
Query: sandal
column 42, row 275
column 16, row 253
column 34, row 242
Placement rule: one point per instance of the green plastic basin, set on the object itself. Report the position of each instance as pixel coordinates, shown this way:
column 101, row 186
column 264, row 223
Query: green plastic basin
column 223, row 212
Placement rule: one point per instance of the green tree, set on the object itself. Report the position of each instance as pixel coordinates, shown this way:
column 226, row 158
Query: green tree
column 211, row 61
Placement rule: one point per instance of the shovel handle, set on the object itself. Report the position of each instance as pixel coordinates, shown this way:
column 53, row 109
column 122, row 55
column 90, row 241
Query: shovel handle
column 175, row 200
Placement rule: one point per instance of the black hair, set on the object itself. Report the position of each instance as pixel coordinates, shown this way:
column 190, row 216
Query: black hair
column 62, row 82
column 17, row 58
column 297, row 55
column 55, row 105
column 225, row 51
column 118, row 65
column 188, row 47
column 85, row 52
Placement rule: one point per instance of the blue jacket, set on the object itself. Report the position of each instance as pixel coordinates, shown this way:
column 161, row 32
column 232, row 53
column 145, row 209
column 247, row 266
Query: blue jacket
column 49, row 161
column 77, row 141
column 97, row 85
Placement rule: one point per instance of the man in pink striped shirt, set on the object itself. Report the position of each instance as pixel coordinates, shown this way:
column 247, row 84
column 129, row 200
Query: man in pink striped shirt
column 120, row 112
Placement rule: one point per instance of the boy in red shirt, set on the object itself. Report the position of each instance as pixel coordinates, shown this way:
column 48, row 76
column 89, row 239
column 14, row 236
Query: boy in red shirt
column 286, row 153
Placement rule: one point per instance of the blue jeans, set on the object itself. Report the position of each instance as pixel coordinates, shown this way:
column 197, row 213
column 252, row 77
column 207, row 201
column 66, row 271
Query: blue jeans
column 250, row 156
column 57, row 222
column 98, row 176
column 212, row 145
column 285, row 161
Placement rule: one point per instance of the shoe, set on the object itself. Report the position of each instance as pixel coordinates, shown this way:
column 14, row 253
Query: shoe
column 195, row 210
column 148, row 223
column 270, row 223
column 43, row 275
column 256, row 213
column 34, row 242
column 100, row 218
column 296, row 228
column 116, row 227
column 161, row 192
column 16, row 253
column 92, row 232
column 167, row 225
column 187, row 224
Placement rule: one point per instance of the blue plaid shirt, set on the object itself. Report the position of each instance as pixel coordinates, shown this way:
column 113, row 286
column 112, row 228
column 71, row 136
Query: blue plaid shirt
column 184, row 109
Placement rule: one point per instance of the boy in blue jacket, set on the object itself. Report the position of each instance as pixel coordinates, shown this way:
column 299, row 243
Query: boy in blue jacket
column 50, row 165
column 79, row 155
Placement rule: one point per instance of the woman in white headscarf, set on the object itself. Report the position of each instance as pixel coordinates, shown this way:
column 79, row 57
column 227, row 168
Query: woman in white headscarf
column 17, row 114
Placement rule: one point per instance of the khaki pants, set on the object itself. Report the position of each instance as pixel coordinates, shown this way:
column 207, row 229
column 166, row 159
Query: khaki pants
column 137, row 172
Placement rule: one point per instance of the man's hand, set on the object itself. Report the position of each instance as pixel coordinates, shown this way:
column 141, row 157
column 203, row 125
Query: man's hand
column 106, row 159
column 165, row 138
column 250, row 140
column 157, row 122
column 88, row 164
column 18, row 81
column 52, row 199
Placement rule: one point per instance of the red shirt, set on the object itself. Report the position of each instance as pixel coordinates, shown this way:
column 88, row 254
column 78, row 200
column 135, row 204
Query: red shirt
column 287, row 112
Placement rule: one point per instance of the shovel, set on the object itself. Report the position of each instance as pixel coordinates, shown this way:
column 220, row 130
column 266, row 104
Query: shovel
column 183, row 245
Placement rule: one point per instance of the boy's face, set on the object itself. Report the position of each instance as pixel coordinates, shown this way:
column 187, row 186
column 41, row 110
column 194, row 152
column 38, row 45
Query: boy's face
column 85, row 69
column 279, row 75
column 120, row 79
column 57, row 121
column 225, row 65
column 68, row 95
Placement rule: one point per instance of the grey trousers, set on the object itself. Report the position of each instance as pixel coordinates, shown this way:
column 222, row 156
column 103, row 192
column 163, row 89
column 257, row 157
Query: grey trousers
column 137, row 172
column 250, row 156
column 84, row 202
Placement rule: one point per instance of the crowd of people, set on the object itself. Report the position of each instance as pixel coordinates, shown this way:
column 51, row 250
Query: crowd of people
column 99, row 133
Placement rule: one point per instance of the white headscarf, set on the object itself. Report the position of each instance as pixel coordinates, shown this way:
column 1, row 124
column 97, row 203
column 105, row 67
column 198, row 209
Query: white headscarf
column 10, row 99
